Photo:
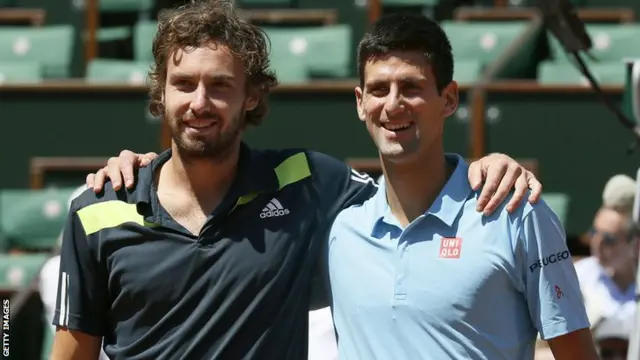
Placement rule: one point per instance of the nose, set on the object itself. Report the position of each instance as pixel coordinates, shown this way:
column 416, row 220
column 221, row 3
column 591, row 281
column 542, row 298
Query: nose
column 395, row 103
column 200, row 102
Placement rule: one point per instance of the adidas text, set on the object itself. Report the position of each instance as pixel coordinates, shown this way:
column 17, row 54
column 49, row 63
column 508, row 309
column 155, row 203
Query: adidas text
column 272, row 213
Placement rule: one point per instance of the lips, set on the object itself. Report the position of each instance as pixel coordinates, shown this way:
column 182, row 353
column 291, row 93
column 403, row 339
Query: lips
column 397, row 126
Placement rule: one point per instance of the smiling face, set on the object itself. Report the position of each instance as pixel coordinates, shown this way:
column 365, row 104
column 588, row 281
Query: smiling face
column 206, row 100
column 401, row 105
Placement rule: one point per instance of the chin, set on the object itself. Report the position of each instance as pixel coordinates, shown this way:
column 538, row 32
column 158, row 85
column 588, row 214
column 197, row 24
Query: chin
column 397, row 157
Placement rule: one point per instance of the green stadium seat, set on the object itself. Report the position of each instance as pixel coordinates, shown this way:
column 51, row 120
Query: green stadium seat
column 117, row 71
column 467, row 72
column 143, row 33
column 51, row 46
column 565, row 73
column 483, row 41
column 559, row 203
column 487, row 40
column 113, row 33
column 20, row 72
column 18, row 270
column 289, row 69
column 32, row 219
column 325, row 50
column 126, row 5
column 611, row 42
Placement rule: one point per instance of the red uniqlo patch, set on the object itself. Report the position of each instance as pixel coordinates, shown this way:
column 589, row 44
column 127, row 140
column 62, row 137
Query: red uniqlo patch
column 450, row 248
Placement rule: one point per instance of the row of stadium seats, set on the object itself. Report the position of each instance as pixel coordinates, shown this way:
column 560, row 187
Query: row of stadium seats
column 29, row 54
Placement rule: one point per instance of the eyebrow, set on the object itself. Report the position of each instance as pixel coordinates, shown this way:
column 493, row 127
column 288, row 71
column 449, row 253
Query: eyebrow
column 404, row 81
column 217, row 78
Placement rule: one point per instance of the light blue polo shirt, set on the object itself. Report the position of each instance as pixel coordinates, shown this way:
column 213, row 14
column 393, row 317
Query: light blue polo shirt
column 454, row 284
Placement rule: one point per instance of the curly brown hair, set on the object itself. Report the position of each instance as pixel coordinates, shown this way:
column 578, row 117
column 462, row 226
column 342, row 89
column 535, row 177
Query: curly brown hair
column 199, row 22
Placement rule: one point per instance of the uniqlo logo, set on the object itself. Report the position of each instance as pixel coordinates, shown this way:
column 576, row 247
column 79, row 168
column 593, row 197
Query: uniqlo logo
column 450, row 248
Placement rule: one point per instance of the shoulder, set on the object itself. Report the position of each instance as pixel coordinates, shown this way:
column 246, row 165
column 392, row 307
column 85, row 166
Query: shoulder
column 525, row 212
column 89, row 198
column 528, row 219
column 315, row 161
column 324, row 164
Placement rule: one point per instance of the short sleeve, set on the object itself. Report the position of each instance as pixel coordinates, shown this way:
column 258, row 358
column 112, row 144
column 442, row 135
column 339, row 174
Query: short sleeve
column 81, row 303
column 551, row 286
column 338, row 185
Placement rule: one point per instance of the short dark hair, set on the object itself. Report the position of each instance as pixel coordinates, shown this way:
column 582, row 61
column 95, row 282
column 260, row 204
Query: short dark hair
column 201, row 21
column 408, row 32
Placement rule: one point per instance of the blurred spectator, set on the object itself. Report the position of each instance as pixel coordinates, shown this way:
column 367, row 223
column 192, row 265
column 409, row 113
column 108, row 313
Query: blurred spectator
column 612, row 335
column 607, row 277
column 619, row 194
column 49, row 275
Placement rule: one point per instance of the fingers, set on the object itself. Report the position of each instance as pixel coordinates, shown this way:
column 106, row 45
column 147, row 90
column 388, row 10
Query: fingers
column 89, row 180
column 147, row 159
column 475, row 175
column 113, row 173
column 494, row 173
column 521, row 188
column 535, row 186
column 98, row 180
column 125, row 164
column 506, row 183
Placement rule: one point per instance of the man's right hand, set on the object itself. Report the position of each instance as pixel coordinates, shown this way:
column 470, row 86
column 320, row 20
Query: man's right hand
column 119, row 169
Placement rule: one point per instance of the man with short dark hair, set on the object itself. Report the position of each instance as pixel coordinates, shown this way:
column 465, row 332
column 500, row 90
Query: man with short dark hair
column 211, row 255
column 416, row 272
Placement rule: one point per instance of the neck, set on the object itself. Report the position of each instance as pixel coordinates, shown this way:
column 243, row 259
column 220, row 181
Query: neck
column 413, row 187
column 205, row 180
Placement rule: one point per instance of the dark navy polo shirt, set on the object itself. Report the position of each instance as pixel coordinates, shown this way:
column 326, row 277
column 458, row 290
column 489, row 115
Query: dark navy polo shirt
column 239, row 290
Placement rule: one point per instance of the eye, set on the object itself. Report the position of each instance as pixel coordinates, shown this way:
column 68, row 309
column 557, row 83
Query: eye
column 379, row 91
column 182, row 84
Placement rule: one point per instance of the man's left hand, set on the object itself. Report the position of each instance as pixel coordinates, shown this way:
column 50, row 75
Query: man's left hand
column 501, row 174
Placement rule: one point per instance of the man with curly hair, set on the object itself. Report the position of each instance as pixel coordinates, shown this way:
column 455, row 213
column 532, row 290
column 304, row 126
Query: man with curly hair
column 212, row 254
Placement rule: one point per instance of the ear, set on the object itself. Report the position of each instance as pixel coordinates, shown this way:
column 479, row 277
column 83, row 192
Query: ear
column 252, row 100
column 359, row 105
column 451, row 98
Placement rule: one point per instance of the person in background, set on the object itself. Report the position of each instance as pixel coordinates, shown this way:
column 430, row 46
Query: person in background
column 607, row 277
column 48, row 281
column 612, row 335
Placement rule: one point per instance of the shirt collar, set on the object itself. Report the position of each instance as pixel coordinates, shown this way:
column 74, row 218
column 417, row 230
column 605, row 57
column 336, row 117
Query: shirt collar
column 446, row 207
column 255, row 175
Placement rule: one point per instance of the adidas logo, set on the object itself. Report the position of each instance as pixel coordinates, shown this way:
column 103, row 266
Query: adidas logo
column 273, row 209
